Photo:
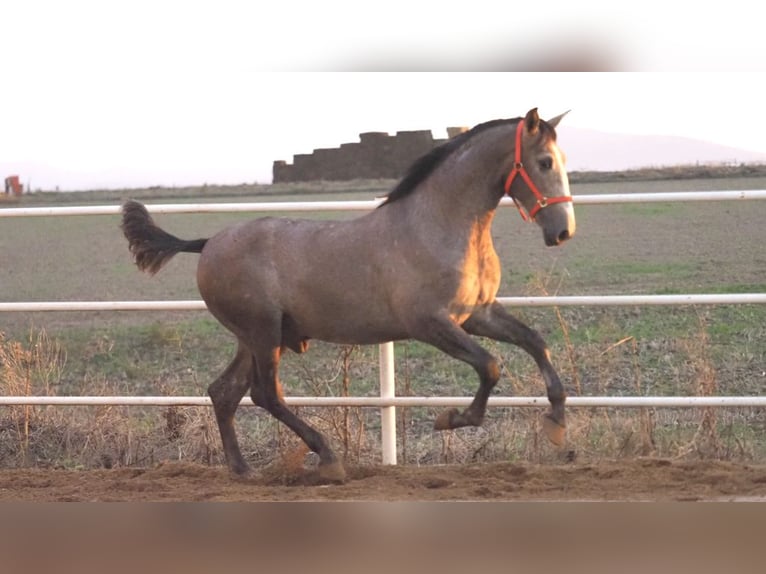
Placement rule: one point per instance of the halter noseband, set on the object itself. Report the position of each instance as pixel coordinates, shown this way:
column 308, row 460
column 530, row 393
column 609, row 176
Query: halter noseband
column 519, row 169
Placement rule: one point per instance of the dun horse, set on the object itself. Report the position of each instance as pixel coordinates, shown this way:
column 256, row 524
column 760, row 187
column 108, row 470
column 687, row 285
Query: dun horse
column 421, row 266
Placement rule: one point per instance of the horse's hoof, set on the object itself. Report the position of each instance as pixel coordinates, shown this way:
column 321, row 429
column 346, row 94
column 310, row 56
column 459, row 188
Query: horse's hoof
column 241, row 470
column 555, row 431
column 445, row 420
column 332, row 472
column 247, row 474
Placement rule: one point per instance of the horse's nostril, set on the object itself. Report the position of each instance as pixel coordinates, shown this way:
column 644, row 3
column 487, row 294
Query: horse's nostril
column 564, row 235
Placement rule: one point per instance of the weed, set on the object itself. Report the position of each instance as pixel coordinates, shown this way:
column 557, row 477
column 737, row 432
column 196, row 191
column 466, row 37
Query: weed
column 31, row 368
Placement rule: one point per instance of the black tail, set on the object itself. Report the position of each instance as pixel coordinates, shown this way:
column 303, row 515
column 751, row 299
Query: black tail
column 151, row 246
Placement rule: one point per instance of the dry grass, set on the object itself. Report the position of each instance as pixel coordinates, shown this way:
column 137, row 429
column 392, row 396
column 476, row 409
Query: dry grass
column 27, row 369
column 112, row 436
column 92, row 436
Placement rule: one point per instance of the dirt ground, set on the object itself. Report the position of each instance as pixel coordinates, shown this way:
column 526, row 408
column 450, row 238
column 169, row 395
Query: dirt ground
column 624, row 480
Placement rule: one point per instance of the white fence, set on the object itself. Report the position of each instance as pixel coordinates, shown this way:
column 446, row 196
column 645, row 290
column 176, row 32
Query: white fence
column 388, row 401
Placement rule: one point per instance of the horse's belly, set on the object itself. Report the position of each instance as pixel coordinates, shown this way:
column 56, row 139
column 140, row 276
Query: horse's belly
column 359, row 329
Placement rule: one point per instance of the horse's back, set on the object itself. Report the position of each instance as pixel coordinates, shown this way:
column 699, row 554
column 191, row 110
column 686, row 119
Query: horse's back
column 324, row 277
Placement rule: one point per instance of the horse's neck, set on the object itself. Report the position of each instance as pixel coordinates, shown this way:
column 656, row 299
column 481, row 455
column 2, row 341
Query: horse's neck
column 430, row 217
column 466, row 185
column 456, row 202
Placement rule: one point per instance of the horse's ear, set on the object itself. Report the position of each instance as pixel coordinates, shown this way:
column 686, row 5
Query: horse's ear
column 532, row 121
column 553, row 122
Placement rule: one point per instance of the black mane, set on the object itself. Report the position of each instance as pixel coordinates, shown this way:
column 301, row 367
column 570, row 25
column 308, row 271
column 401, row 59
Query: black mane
column 425, row 165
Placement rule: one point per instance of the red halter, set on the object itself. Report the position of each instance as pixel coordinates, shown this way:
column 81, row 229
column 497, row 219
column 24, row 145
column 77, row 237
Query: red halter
column 518, row 168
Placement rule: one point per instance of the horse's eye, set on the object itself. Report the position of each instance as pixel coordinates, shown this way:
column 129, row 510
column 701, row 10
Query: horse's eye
column 546, row 164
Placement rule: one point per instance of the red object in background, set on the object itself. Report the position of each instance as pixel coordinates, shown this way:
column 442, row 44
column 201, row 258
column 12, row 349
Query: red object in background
column 13, row 186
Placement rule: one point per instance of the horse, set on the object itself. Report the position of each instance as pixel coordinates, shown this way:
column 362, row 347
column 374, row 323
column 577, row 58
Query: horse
column 419, row 266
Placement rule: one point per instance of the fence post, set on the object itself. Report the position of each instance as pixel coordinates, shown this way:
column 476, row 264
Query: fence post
column 387, row 414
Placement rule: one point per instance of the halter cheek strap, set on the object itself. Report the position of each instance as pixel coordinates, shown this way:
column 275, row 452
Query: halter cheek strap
column 519, row 169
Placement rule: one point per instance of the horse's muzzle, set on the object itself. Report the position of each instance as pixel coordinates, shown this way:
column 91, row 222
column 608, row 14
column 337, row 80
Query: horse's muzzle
column 558, row 223
column 563, row 236
column 553, row 239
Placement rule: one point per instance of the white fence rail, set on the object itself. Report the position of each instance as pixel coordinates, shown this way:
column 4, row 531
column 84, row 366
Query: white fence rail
column 391, row 402
column 552, row 301
column 304, row 206
column 387, row 400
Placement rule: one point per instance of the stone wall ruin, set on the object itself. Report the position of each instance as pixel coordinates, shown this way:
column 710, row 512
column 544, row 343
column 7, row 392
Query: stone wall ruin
column 377, row 155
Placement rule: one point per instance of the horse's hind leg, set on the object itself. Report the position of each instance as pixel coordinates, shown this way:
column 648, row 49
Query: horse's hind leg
column 495, row 322
column 226, row 392
column 266, row 392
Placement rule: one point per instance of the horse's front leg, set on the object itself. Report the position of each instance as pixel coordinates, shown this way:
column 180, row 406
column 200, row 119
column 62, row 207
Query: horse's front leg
column 494, row 322
column 444, row 334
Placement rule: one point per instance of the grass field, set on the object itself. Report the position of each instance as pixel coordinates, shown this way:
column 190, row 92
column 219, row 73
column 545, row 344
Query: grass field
column 657, row 248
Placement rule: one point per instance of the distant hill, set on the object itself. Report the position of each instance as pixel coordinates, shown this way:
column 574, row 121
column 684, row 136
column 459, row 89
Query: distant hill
column 591, row 150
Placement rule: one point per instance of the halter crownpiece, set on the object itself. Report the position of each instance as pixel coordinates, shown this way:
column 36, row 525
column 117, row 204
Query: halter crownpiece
column 519, row 169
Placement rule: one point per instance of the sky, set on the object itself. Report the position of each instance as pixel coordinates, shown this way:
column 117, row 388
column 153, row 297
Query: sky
column 118, row 94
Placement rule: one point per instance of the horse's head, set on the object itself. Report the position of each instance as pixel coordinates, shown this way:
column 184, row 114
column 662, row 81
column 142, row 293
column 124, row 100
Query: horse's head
column 537, row 181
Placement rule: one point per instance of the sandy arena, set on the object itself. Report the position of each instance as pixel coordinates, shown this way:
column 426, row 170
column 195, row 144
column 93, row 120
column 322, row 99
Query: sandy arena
column 624, row 480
